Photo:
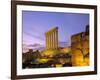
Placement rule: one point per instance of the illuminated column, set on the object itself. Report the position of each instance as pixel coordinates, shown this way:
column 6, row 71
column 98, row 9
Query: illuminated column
column 46, row 40
column 56, row 38
column 49, row 40
column 51, row 33
column 52, row 39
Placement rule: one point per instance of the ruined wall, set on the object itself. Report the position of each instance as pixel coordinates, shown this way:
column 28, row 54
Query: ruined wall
column 80, row 48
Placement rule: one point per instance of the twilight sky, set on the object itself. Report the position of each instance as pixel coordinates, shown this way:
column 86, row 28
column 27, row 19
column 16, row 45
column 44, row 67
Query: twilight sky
column 36, row 23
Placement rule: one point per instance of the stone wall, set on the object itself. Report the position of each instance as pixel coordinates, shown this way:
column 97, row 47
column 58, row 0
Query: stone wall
column 80, row 48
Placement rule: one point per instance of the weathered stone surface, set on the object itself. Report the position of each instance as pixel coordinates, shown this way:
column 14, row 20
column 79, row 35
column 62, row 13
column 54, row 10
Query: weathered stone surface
column 80, row 49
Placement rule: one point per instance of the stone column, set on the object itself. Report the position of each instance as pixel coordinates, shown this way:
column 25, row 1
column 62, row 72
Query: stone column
column 46, row 40
column 49, row 40
column 53, row 40
column 56, row 39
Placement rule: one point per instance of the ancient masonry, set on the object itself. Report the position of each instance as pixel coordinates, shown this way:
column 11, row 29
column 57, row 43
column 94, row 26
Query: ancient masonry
column 52, row 38
column 80, row 48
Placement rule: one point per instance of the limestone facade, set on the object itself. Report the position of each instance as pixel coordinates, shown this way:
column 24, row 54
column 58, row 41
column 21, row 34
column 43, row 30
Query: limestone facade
column 80, row 48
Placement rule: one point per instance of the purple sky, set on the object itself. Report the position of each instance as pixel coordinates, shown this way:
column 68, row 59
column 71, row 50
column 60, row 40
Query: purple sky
column 36, row 23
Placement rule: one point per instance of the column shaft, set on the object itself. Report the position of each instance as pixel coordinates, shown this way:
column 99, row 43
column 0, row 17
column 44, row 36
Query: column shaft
column 52, row 40
column 49, row 41
column 46, row 40
column 57, row 38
